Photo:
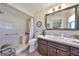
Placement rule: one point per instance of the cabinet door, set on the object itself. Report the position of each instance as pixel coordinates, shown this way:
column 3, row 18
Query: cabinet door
column 51, row 51
column 59, row 46
column 42, row 41
column 42, row 49
column 62, row 53
column 74, row 51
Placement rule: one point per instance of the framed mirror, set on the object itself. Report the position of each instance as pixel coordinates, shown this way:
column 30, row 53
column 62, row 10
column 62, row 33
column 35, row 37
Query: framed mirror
column 64, row 19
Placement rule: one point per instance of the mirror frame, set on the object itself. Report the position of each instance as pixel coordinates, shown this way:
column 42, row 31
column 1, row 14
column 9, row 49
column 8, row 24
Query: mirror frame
column 75, row 6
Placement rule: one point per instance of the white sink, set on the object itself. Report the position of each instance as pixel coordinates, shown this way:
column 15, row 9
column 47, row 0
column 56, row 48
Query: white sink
column 49, row 36
column 55, row 37
column 76, row 41
column 62, row 38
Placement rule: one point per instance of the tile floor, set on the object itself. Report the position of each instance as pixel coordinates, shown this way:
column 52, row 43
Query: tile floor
column 26, row 53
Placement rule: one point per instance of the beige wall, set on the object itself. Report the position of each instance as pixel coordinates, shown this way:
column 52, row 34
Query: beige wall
column 40, row 16
column 27, row 25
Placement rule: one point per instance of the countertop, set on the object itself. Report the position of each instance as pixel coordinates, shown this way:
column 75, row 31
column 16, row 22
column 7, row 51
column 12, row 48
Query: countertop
column 63, row 40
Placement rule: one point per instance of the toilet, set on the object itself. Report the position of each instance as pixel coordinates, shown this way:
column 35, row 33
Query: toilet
column 32, row 45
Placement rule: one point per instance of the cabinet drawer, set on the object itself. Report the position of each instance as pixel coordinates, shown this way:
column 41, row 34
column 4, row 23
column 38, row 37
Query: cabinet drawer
column 51, row 51
column 62, row 53
column 42, row 41
column 74, row 50
column 59, row 46
column 42, row 49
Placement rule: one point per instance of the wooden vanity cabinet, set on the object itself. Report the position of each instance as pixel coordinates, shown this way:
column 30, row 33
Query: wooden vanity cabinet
column 51, row 51
column 42, row 47
column 56, row 52
column 58, row 49
column 62, row 53
column 74, row 51
column 50, row 48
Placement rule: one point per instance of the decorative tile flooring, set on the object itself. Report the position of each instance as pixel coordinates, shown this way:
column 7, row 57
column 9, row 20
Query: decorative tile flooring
column 26, row 53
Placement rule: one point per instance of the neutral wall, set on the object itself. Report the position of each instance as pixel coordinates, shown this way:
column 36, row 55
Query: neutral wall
column 40, row 16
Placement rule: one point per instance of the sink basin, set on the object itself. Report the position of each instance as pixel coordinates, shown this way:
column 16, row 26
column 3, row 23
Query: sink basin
column 60, row 37
column 76, row 41
column 55, row 37
column 49, row 36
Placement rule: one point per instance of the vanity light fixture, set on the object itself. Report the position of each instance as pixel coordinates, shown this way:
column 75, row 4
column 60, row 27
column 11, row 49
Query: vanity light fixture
column 56, row 8
column 63, row 5
column 59, row 7
column 77, row 33
column 50, row 10
column 53, row 9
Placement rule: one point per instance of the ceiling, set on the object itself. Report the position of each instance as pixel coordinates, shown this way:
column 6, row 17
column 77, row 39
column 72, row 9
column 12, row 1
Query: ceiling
column 31, row 8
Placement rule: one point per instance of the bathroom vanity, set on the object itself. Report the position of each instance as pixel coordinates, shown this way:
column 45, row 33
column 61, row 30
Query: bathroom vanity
column 57, row 46
column 49, row 45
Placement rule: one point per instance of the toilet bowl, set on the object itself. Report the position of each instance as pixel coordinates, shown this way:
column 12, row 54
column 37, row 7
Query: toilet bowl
column 32, row 45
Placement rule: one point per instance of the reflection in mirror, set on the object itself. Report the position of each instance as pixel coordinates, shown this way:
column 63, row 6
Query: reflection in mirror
column 61, row 20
